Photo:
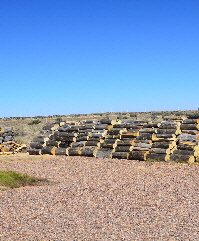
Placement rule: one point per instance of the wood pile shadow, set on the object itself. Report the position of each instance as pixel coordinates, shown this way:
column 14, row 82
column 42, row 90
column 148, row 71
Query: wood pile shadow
column 170, row 140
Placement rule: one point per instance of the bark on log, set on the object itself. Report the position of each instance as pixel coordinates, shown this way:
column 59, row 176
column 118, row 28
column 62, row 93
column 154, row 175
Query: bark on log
column 123, row 148
column 116, row 131
column 169, row 131
column 184, row 152
column 34, row 151
column 36, row 145
column 53, row 143
column 78, row 144
column 92, row 143
column 144, row 136
column 152, row 125
column 160, row 151
column 120, row 155
column 88, row 151
column 164, row 137
column 65, row 144
column 105, row 121
column 128, row 135
column 158, row 157
column 187, row 137
column 148, row 130
column 76, row 151
column 190, row 121
column 48, row 150
column 61, row 151
column 101, row 127
column 103, row 153
column 107, row 146
column 189, row 127
column 193, row 116
column 138, row 155
column 164, row 145
column 193, row 132
column 182, row 158
column 125, row 142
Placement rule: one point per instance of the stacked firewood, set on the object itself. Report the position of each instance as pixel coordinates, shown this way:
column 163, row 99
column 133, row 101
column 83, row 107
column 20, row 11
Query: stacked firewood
column 143, row 141
column 187, row 145
column 41, row 140
column 133, row 140
column 164, row 141
column 7, row 141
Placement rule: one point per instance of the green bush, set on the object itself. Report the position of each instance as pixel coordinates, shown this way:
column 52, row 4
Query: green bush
column 34, row 122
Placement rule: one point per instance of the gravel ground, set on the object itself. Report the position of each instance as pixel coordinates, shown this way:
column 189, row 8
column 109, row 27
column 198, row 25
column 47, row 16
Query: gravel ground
column 101, row 199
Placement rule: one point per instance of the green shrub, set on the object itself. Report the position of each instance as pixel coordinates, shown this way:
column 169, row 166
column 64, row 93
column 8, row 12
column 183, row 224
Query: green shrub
column 34, row 122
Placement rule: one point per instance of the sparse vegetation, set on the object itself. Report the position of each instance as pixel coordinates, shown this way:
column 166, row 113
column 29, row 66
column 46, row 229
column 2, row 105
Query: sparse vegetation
column 12, row 179
column 34, row 122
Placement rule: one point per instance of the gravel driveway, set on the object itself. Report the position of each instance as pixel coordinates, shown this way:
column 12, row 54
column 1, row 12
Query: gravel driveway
column 101, row 199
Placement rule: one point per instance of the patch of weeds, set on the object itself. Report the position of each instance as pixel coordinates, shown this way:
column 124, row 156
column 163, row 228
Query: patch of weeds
column 154, row 160
column 12, row 179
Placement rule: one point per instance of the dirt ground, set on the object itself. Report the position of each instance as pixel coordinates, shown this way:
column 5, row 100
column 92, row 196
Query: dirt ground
column 100, row 199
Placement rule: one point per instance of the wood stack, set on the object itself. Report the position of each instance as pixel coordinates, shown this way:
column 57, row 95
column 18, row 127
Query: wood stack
column 42, row 141
column 107, row 142
column 7, row 142
column 187, row 147
column 164, row 141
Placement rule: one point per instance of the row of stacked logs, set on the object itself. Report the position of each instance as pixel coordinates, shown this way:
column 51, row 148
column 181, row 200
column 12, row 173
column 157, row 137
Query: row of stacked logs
column 7, row 141
column 133, row 140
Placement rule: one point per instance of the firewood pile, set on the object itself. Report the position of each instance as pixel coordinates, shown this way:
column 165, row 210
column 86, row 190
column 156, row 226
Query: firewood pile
column 7, row 142
column 170, row 140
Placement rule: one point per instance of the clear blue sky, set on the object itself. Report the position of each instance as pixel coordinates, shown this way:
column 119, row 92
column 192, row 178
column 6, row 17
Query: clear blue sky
column 83, row 56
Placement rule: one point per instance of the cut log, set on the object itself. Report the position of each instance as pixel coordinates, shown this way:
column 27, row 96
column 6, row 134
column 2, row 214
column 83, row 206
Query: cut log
column 193, row 116
column 189, row 127
column 34, row 151
column 148, row 130
column 138, row 155
column 101, row 127
column 192, row 132
column 65, row 144
column 160, row 151
column 36, row 145
column 107, row 146
column 123, row 148
column 53, row 143
column 152, row 125
column 81, row 138
column 182, row 158
column 88, row 151
column 128, row 135
column 184, row 152
column 116, row 131
column 120, row 155
column 78, row 144
column 187, row 137
column 48, row 150
column 144, row 136
column 92, row 143
column 158, row 157
column 103, row 153
column 125, row 142
column 41, row 139
column 164, row 145
column 169, row 131
column 105, row 121
column 76, row 151
column 164, row 137
column 190, row 121
column 61, row 151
